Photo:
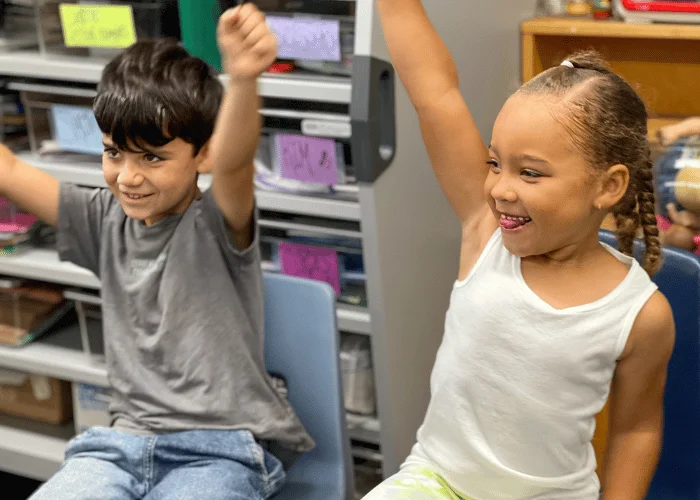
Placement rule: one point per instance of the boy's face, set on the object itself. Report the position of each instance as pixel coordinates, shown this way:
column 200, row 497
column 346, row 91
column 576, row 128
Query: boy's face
column 153, row 182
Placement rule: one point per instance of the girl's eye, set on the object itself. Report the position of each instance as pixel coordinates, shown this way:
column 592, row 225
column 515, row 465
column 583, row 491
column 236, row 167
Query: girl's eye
column 529, row 174
column 151, row 158
column 494, row 165
column 112, row 154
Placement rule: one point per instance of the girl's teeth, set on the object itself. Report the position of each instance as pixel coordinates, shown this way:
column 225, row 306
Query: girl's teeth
column 519, row 219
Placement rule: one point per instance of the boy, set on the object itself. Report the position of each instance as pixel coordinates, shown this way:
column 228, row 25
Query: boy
column 181, row 280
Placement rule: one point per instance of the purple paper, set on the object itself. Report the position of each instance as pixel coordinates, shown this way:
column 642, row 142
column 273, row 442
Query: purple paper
column 305, row 261
column 303, row 38
column 307, row 159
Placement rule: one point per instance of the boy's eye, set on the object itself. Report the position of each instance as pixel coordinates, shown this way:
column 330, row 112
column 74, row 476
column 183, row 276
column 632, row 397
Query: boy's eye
column 151, row 158
column 112, row 154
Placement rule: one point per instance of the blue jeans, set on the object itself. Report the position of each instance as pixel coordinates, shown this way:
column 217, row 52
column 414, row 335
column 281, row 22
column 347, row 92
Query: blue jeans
column 105, row 464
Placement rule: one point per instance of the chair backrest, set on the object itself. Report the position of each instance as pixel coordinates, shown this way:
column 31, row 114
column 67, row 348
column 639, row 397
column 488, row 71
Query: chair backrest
column 302, row 346
column 678, row 474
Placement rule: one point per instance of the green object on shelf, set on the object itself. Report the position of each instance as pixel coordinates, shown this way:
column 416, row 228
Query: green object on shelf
column 198, row 19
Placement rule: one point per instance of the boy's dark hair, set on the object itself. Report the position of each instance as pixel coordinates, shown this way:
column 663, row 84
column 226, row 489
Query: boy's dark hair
column 607, row 121
column 154, row 92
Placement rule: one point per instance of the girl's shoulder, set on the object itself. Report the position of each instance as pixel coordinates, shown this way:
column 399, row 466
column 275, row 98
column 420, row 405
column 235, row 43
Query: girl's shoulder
column 653, row 332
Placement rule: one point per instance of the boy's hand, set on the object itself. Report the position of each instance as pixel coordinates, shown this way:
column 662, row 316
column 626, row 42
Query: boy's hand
column 247, row 45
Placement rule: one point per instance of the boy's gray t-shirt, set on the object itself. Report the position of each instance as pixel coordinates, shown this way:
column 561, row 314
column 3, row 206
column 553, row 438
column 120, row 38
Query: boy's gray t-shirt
column 183, row 318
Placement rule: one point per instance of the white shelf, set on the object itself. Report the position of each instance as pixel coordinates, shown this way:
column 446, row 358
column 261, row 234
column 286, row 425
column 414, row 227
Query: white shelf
column 354, row 319
column 43, row 264
column 90, row 174
column 363, row 428
column 84, row 173
column 308, row 205
column 54, row 361
column 31, row 64
column 32, row 449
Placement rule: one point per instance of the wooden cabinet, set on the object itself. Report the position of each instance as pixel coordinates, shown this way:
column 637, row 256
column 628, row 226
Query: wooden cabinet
column 661, row 61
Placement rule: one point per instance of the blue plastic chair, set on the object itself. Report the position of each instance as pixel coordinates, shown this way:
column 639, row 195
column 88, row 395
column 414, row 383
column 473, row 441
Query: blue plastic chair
column 302, row 346
column 678, row 474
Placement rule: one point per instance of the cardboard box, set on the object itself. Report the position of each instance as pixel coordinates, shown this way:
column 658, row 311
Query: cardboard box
column 35, row 397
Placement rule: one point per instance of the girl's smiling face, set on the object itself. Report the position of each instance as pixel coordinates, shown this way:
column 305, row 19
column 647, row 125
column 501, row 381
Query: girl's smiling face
column 540, row 188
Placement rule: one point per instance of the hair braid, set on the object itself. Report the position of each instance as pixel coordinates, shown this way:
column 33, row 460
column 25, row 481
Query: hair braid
column 626, row 222
column 647, row 216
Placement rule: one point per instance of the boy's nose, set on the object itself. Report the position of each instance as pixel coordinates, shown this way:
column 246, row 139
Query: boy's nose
column 129, row 176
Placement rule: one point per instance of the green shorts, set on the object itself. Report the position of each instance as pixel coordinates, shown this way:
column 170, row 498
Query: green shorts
column 414, row 482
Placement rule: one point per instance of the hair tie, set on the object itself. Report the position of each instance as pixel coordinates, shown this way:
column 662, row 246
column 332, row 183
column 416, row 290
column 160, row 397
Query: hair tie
column 567, row 63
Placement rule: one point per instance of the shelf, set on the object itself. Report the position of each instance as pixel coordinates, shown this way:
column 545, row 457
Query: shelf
column 32, row 449
column 59, row 355
column 42, row 264
column 85, row 173
column 364, row 429
column 354, row 319
column 316, row 206
column 608, row 29
column 31, row 64
column 90, row 174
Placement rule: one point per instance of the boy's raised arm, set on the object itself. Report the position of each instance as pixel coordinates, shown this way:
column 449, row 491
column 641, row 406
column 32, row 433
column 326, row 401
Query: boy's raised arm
column 248, row 48
column 28, row 187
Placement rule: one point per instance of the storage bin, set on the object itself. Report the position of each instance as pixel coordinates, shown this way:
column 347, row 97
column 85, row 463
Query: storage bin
column 199, row 19
column 302, row 246
column 60, row 121
column 35, row 397
column 151, row 20
column 301, row 164
column 357, row 375
column 28, row 310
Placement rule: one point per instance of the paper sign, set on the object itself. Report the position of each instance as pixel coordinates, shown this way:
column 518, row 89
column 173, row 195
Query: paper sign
column 305, row 261
column 307, row 159
column 304, row 38
column 106, row 26
column 76, row 129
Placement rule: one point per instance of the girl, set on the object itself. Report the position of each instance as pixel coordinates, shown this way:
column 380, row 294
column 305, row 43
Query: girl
column 543, row 319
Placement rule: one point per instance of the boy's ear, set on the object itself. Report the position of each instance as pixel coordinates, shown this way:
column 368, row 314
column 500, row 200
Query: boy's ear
column 204, row 160
column 613, row 186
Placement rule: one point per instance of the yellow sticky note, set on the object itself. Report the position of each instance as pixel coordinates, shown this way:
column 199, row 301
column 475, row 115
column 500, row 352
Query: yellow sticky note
column 106, row 26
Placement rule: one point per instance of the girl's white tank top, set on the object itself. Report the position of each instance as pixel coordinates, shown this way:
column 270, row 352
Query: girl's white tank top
column 517, row 383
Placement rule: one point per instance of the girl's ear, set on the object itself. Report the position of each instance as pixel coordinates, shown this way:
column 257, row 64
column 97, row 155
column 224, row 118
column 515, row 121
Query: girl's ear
column 613, row 186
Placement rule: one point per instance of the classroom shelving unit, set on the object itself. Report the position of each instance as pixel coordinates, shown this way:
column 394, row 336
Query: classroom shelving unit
column 410, row 237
